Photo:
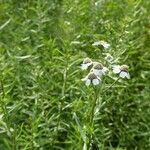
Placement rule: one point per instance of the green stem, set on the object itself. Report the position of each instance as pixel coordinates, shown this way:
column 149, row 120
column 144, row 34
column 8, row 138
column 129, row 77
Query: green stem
column 96, row 93
column 111, row 85
column 2, row 87
column 62, row 99
column 63, row 96
column 93, row 109
column 92, row 115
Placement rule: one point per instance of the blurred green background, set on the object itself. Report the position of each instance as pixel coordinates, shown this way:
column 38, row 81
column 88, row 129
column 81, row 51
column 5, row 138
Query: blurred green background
column 42, row 44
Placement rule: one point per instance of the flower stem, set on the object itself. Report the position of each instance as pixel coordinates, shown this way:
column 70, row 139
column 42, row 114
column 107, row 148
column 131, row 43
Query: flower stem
column 92, row 115
column 111, row 85
column 62, row 101
column 93, row 108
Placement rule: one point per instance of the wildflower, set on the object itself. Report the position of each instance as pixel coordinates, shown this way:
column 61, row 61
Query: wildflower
column 99, row 70
column 86, row 63
column 101, row 43
column 122, row 71
column 109, row 58
column 91, row 78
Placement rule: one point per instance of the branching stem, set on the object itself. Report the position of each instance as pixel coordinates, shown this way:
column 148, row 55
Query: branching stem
column 92, row 115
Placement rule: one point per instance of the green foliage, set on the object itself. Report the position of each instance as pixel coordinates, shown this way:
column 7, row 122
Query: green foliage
column 43, row 103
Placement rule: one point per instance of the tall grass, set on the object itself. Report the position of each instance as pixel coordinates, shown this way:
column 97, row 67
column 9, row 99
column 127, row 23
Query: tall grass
column 44, row 105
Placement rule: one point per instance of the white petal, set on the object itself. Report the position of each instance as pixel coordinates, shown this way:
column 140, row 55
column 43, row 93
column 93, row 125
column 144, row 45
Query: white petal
column 96, row 71
column 84, row 66
column 104, row 70
column 116, row 69
column 96, row 43
column 106, row 45
column 88, row 82
column 101, row 73
column 95, row 81
column 128, row 76
column 123, row 74
column 89, row 64
column 103, row 43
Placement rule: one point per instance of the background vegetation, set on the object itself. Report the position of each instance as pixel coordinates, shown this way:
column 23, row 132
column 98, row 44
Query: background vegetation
column 42, row 44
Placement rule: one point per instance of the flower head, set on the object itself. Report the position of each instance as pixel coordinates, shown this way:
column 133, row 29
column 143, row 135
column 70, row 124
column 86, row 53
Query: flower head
column 101, row 43
column 109, row 58
column 99, row 70
column 122, row 71
column 86, row 63
column 91, row 78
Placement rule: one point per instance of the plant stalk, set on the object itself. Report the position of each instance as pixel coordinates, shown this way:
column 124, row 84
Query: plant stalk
column 92, row 115
column 111, row 85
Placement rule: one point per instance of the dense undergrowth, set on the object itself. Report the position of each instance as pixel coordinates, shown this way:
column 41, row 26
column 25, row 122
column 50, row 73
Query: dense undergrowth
column 43, row 102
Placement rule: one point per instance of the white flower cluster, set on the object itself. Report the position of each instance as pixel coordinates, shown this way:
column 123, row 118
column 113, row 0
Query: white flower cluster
column 98, row 70
column 103, row 44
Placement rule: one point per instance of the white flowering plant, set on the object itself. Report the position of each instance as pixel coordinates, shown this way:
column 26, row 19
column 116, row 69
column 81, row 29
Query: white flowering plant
column 95, row 78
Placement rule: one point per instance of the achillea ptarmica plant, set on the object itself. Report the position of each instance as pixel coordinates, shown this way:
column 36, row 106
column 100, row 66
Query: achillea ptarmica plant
column 109, row 58
column 94, row 78
column 86, row 63
column 91, row 78
column 102, row 44
column 122, row 71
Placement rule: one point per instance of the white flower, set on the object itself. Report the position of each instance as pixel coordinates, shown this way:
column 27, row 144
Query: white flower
column 101, row 43
column 86, row 63
column 91, row 78
column 99, row 70
column 109, row 58
column 122, row 71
